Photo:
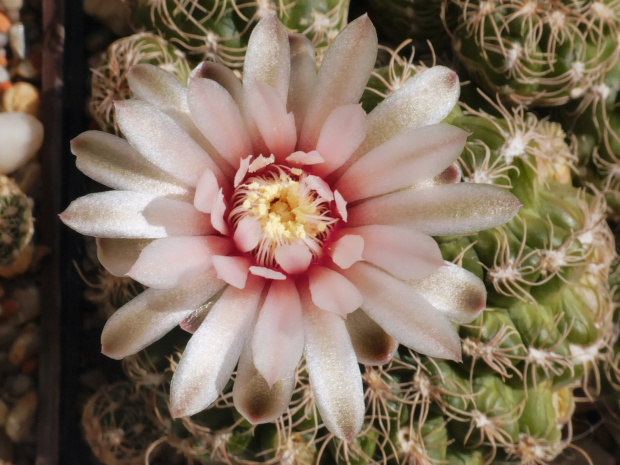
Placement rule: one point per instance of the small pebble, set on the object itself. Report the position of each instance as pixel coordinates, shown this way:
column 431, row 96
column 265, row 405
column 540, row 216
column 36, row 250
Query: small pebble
column 21, row 418
column 17, row 385
column 29, row 367
column 25, row 345
column 27, row 299
column 21, row 136
column 22, row 97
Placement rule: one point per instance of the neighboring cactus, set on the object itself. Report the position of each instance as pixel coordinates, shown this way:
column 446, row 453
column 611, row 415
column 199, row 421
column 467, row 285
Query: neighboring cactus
column 16, row 223
column 110, row 77
column 218, row 30
column 420, row 20
column 536, row 53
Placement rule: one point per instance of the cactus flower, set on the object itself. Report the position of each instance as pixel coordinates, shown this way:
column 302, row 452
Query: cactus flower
column 303, row 222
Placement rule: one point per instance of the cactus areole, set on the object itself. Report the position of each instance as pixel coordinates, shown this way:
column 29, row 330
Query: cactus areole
column 303, row 222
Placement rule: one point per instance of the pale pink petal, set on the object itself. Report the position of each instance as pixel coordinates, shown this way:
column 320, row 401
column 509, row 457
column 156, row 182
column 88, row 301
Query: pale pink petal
column 305, row 158
column 346, row 250
column 293, row 258
column 253, row 397
column 425, row 99
column 217, row 215
column 169, row 261
column 268, row 58
column 276, row 126
column 207, row 191
column 440, row 210
column 267, row 273
column 334, row 373
column 321, row 187
column 342, row 78
column 218, row 117
column 112, row 162
column 213, row 351
column 267, row 61
column 303, row 77
column 404, row 314
column 247, row 234
column 405, row 253
column 343, row 132
column 260, row 162
column 118, row 255
column 134, row 215
column 158, row 87
column 163, row 142
column 244, row 165
column 410, row 158
column 341, row 205
column 333, row 292
column 164, row 91
column 224, row 76
column 153, row 313
column 233, row 270
column 278, row 340
column 372, row 345
column 456, row 292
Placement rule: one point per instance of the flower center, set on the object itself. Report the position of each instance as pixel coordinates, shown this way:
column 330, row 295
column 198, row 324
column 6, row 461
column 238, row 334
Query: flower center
column 290, row 206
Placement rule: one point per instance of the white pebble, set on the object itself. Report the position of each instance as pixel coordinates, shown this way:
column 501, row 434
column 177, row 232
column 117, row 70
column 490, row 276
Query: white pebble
column 21, row 136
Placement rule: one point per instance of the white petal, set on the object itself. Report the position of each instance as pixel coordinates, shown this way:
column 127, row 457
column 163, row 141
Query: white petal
column 159, row 88
column 278, row 340
column 134, row 215
column 218, row 117
column 305, row 158
column 343, row 132
column 334, row 373
column 459, row 294
column 149, row 316
column 247, row 234
column 342, row 78
column 244, row 165
column 333, row 292
column 319, row 186
column 267, row 273
column 407, row 159
column 217, row 214
column 161, row 140
column 167, row 262
column 303, row 77
column 207, row 191
column 253, row 397
column 405, row 253
column 233, row 270
column 276, row 126
column 224, row 76
column 372, row 345
column 346, row 250
column 341, row 206
column 118, row 255
column 212, row 353
column 425, row 99
column 440, row 210
column 268, row 58
column 111, row 161
column 404, row 314
column 293, row 258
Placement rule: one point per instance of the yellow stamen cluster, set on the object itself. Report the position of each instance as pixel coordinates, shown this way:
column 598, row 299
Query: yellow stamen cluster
column 288, row 210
